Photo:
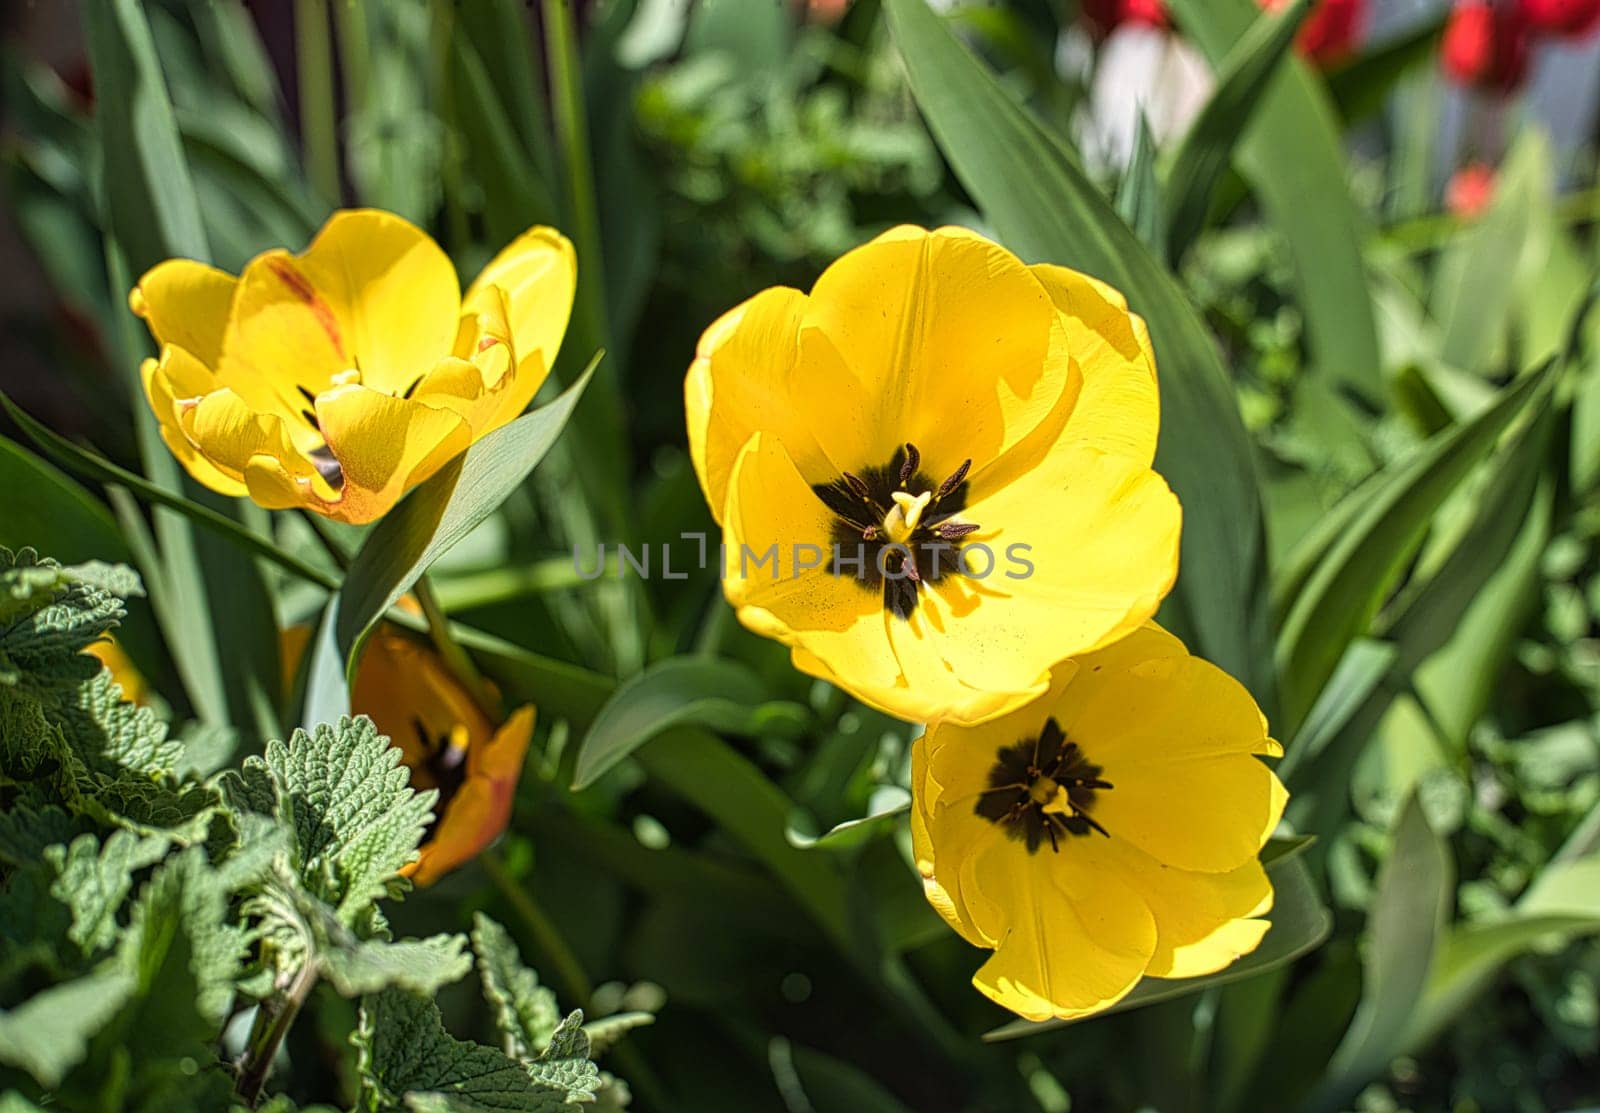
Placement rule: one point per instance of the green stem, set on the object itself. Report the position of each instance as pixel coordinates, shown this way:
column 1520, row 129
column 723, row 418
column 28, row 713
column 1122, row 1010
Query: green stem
column 574, row 982
column 454, row 656
column 319, row 123
column 274, row 1017
column 330, row 543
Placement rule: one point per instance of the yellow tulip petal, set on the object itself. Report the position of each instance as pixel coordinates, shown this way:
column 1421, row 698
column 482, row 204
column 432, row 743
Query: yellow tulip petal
column 385, row 446
column 1179, row 739
column 1075, row 937
column 746, row 377
column 1204, row 921
column 948, row 340
column 538, row 272
column 1101, row 535
column 1119, row 408
column 372, row 293
column 186, row 304
column 776, row 547
column 178, row 375
column 228, row 432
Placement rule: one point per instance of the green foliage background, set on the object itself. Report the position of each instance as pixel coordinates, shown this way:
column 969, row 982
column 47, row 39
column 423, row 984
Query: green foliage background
column 1383, row 422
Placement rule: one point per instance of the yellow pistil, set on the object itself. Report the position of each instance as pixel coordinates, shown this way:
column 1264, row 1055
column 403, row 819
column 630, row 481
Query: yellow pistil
column 1043, row 791
column 902, row 521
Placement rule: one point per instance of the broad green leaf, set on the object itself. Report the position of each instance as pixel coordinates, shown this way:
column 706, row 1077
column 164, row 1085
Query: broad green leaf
column 1292, row 154
column 1475, row 289
column 1300, row 923
column 1343, row 594
column 887, row 802
column 720, row 695
column 1562, row 903
column 93, row 881
column 442, row 511
column 1044, row 208
column 525, row 1011
column 1208, row 146
column 1405, row 926
column 1364, row 666
column 1361, row 85
column 515, row 196
column 325, row 683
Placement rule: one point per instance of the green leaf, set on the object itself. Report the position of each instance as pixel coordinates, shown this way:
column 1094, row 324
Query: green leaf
column 441, row 512
column 1208, row 146
column 358, row 966
column 1362, row 85
column 525, row 1011
column 49, row 1034
column 717, row 694
column 1044, row 208
column 349, row 803
column 1404, row 928
column 604, row 1033
column 1300, row 923
column 1343, row 594
column 49, row 614
column 93, row 881
column 1139, row 200
column 150, row 198
column 1293, row 155
column 1475, row 290
column 408, row 1061
column 1562, row 903
column 886, row 802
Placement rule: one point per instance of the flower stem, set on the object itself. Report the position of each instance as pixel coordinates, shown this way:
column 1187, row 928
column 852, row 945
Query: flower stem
column 455, row 656
column 575, row 983
column 274, row 1017
column 319, row 122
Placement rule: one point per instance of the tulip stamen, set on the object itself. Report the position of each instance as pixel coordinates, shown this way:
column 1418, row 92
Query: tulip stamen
column 1042, row 788
column 894, row 529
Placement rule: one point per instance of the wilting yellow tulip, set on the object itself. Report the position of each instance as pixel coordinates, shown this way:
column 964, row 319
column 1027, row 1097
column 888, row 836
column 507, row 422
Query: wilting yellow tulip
column 448, row 743
column 933, row 473
column 1108, row 830
column 338, row 379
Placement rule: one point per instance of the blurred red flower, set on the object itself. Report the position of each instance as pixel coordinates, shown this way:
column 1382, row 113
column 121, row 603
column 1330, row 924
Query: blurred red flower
column 1104, row 16
column 1471, row 190
column 1568, row 18
column 1486, row 45
column 1332, row 30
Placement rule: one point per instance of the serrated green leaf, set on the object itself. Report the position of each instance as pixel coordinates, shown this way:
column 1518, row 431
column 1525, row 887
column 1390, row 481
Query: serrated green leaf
column 421, row 965
column 93, row 881
column 604, row 1033
column 408, row 1061
column 525, row 1011
column 48, row 613
column 348, row 800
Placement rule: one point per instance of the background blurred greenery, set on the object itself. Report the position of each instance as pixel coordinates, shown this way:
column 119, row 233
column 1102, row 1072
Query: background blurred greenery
column 1389, row 537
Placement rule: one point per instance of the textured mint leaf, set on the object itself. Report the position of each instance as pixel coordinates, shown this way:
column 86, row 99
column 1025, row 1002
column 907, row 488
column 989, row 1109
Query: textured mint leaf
column 604, row 1033
column 421, row 965
column 525, row 1011
column 349, row 802
column 93, row 881
column 112, row 735
column 408, row 1061
column 49, row 1033
column 48, row 613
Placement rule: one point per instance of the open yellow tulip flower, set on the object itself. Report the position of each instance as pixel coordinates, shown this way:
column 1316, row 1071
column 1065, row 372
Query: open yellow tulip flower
column 933, row 473
column 1109, row 830
column 448, row 744
column 338, row 379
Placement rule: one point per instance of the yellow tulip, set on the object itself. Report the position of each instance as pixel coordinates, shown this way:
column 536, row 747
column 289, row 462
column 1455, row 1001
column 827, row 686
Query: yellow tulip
column 1107, row 831
column 448, row 744
column 338, row 379
column 933, row 473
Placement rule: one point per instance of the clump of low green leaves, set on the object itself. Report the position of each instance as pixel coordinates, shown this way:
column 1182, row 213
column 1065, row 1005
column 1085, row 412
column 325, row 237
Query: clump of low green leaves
column 160, row 928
